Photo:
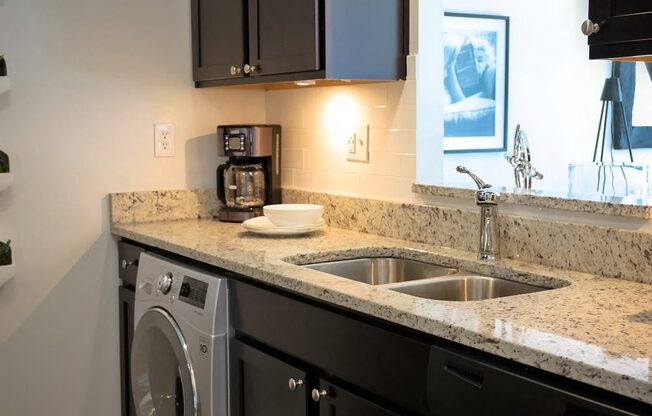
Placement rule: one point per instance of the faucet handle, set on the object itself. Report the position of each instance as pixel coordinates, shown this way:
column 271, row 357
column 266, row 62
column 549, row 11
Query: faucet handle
column 478, row 180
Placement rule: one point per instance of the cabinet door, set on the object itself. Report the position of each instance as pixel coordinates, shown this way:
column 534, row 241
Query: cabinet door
column 218, row 39
column 336, row 401
column 620, row 21
column 260, row 384
column 283, row 36
column 126, row 298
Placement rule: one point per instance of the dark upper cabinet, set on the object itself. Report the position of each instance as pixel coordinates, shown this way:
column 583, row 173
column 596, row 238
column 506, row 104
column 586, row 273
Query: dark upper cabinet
column 218, row 35
column 620, row 29
column 237, row 42
column 283, row 36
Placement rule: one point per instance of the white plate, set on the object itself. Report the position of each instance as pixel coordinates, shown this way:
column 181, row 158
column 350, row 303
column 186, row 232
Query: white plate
column 262, row 225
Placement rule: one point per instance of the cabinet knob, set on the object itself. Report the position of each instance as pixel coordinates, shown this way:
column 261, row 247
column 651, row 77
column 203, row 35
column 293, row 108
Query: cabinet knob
column 250, row 69
column 589, row 27
column 235, row 70
column 128, row 263
column 293, row 384
column 318, row 394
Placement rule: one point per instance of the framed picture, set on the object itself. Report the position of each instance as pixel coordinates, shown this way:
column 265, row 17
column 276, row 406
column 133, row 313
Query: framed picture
column 476, row 49
column 636, row 83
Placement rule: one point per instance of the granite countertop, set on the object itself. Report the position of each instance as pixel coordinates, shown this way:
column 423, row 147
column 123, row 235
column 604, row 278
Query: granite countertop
column 590, row 329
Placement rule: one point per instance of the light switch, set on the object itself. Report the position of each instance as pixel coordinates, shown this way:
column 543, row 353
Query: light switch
column 358, row 144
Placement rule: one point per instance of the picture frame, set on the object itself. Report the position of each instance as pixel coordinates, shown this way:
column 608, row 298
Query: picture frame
column 476, row 75
column 632, row 74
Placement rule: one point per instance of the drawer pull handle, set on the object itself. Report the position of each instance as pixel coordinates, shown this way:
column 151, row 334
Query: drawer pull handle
column 235, row 70
column 128, row 263
column 465, row 375
column 589, row 27
column 293, row 384
column 318, row 394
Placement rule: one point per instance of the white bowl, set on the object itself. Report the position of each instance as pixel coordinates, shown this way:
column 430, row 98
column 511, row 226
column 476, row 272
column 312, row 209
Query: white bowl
column 288, row 215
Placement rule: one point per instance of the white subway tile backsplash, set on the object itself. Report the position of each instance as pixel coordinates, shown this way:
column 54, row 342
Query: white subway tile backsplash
column 304, row 179
column 401, row 141
column 291, row 158
column 313, row 159
column 378, row 140
column 317, row 122
column 385, row 164
column 402, row 93
column 286, row 178
column 409, row 166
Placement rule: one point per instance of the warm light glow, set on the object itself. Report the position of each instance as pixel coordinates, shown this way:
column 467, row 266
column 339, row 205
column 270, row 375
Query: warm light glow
column 341, row 114
column 305, row 83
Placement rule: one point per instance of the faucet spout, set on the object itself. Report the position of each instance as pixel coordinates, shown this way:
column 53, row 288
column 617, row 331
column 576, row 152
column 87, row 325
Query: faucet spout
column 487, row 200
column 521, row 161
column 478, row 180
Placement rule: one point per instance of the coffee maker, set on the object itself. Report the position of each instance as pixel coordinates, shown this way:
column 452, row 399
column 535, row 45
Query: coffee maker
column 251, row 178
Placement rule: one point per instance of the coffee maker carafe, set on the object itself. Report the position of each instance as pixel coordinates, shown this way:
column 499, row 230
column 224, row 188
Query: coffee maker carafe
column 251, row 178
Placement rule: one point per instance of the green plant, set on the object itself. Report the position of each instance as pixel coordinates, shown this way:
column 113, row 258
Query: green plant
column 3, row 66
column 4, row 162
column 5, row 253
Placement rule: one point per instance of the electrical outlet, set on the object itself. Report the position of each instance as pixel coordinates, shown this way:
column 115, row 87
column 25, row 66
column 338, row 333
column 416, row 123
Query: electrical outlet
column 163, row 140
column 351, row 144
column 358, row 144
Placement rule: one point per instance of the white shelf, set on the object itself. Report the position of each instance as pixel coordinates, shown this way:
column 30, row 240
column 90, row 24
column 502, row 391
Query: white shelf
column 6, row 180
column 7, row 273
column 5, row 83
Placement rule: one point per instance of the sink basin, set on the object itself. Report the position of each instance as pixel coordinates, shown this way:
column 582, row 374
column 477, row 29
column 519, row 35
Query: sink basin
column 424, row 280
column 382, row 270
column 465, row 288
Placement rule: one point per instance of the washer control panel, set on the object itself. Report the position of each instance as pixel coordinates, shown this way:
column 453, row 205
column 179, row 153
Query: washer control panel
column 193, row 291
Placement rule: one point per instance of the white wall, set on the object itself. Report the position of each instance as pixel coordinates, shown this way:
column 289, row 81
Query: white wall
column 89, row 79
column 554, row 90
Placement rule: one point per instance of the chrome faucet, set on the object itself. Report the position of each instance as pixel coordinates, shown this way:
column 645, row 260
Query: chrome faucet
column 522, row 162
column 487, row 200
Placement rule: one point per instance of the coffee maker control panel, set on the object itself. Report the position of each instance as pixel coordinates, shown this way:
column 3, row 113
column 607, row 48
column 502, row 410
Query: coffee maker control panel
column 234, row 142
column 248, row 141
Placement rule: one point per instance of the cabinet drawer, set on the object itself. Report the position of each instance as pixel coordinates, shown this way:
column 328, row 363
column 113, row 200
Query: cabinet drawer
column 459, row 385
column 128, row 255
column 383, row 363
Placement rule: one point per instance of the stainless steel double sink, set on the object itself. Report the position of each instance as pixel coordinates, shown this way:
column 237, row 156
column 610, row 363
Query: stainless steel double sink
column 424, row 280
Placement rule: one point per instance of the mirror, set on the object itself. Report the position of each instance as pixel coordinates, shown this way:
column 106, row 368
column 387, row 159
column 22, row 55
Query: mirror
column 553, row 91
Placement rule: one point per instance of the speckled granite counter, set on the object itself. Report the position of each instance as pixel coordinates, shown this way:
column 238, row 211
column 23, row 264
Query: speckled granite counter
column 591, row 329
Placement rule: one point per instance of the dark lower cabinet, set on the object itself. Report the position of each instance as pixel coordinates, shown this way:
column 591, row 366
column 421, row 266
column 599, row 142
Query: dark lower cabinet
column 263, row 384
column 336, row 401
column 460, row 385
column 355, row 365
column 126, row 297
column 128, row 256
column 268, row 386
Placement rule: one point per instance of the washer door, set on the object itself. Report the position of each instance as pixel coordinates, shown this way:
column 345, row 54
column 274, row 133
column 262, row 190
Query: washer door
column 162, row 378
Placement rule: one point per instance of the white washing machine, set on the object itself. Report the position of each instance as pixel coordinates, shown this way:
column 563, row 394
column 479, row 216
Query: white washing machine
column 179, row 354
